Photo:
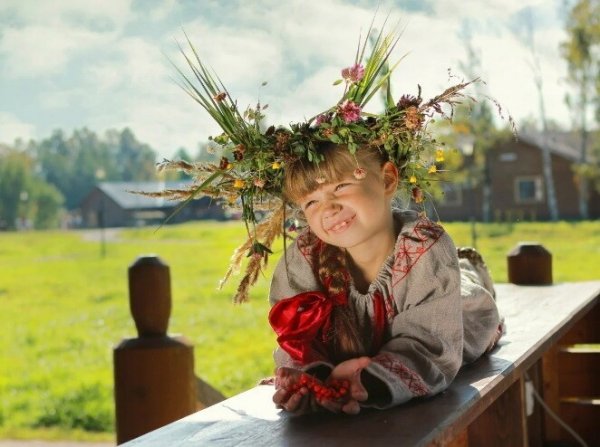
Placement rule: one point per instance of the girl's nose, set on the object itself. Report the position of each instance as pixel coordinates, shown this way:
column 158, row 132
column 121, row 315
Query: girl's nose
column 331, row 209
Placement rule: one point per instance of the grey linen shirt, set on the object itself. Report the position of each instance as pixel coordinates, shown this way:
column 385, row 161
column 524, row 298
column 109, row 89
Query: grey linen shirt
column 438, row 313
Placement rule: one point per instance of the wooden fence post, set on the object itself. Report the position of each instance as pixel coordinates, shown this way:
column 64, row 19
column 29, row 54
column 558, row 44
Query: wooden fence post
column 154, row 374
column 529, row 263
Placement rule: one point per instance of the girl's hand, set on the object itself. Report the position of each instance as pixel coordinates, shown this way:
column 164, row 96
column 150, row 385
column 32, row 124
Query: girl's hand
column 349, row 370
column 288, row 396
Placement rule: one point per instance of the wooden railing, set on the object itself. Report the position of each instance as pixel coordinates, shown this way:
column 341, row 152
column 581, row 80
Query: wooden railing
column 549, row 348
column 154, row 374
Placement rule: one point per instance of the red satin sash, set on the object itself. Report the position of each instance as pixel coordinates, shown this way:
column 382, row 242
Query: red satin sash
column 302, row 323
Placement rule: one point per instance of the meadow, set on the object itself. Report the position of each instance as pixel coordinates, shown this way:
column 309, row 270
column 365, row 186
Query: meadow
column 64, row 306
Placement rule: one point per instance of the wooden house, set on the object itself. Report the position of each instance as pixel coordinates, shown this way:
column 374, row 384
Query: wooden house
column 518, row 189
column 111, row 204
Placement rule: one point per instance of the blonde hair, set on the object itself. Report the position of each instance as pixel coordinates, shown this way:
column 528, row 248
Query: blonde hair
column 301, row 176
column 344, row 341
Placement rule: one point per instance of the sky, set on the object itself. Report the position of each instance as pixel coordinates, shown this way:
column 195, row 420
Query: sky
column 106, row 64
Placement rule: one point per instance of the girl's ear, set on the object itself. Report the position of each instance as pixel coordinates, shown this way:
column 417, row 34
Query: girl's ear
column 390, row 177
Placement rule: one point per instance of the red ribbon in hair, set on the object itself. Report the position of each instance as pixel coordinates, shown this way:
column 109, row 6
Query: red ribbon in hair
column 302, row 322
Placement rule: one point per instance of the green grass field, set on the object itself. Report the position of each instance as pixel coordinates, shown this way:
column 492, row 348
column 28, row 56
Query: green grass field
column 64, row 307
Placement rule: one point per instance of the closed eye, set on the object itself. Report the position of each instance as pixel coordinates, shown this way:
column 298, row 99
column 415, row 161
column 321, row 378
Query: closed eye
column 309, row 204
column 341, row 186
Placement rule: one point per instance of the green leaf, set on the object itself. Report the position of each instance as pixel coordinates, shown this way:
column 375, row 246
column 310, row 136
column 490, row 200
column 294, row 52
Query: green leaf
column 338, row 82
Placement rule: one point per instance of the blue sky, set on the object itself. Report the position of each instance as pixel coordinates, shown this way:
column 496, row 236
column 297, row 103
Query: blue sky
column 104, row 63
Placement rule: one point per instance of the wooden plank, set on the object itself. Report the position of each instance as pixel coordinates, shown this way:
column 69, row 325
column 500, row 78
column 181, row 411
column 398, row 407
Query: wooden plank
column 535, row 421
column 503, row 423
column 571, row 376
column 551, row 393
column 579, row 374
column 536, row 317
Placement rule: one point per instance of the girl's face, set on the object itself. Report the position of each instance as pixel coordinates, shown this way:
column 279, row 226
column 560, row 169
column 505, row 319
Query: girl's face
column 353, row 213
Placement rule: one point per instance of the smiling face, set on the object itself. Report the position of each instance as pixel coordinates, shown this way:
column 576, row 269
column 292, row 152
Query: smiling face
column 351, row 213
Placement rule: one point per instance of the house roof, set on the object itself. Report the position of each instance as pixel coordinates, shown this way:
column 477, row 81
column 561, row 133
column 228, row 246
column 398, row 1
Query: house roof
column 566, row 144
column 121, row 193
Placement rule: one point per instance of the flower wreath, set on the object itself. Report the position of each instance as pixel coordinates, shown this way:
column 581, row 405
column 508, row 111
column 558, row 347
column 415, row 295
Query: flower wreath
column 249, row 175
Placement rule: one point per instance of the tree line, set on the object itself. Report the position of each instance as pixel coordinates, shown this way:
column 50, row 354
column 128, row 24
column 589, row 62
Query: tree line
column 42, row 180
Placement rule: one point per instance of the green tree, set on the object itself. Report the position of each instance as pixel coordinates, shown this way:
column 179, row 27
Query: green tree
column 581, row 50
column 48, row 202
column 15, row 168
column 135, row 161
column 23, row 194
column 72, row 164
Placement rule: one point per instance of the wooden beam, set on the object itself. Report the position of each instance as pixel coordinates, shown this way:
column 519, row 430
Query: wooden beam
column 504, row 422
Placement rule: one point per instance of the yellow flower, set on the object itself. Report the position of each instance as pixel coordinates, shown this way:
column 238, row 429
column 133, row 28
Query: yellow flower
column 439, row 155
column 229, row 166
column 412, row 179
column 276, row 165
column 432, row 169
column 238, row 183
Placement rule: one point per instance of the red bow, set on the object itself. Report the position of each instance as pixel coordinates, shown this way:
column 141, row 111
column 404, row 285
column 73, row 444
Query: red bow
column 301, row 324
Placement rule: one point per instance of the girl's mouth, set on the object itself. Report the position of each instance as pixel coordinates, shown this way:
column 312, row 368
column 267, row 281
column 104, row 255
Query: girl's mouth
column 341, row 226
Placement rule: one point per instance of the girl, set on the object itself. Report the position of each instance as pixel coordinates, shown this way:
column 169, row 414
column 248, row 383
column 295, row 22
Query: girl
column 371, row 294
column 370, row 300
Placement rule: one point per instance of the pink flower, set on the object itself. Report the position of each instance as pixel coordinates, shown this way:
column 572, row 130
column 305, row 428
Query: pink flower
column 322, row 118
column 360, row 173
column 349, row 111
column 354, row 73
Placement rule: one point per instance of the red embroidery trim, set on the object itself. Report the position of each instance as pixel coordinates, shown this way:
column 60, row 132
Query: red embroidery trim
column 411, row 379
column 409, row 249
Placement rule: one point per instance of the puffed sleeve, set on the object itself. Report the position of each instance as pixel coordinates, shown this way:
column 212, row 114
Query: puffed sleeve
column 294, row 275
column 481, row 320
column 422, row 350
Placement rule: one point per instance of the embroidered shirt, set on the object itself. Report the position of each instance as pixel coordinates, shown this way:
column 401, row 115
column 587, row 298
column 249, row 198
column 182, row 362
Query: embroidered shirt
column 433, row 309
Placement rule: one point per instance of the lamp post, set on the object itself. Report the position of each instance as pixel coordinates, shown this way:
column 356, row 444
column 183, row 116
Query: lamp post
column 466, row 145
column 100, row 174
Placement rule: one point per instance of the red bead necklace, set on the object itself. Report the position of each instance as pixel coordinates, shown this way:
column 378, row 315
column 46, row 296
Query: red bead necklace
column 334, row 389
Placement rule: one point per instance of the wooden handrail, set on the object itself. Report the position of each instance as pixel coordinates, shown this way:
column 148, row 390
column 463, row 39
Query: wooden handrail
column 485, row 405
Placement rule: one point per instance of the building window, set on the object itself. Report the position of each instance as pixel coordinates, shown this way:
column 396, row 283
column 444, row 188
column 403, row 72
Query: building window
column 452, row 194
column 508, row 156
column 529, row 189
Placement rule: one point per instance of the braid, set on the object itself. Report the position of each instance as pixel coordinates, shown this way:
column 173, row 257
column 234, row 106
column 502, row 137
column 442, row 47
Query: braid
column 344, row 342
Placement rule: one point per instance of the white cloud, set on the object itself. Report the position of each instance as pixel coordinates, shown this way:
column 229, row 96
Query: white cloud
column 34, row 51
column 74, row 13
column 108, row 61
column 12, row 128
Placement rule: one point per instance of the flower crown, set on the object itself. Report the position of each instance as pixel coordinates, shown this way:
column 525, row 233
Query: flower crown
column 249, row 174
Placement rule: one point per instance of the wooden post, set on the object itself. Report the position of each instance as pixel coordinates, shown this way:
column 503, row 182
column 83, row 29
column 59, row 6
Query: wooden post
column 503, row 423
column 154, row 374
column 529, row 263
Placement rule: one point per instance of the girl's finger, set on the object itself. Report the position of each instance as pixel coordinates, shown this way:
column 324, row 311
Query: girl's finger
column 330, row 405
column 351, row 407
column 281, row 396
column 357, row 390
